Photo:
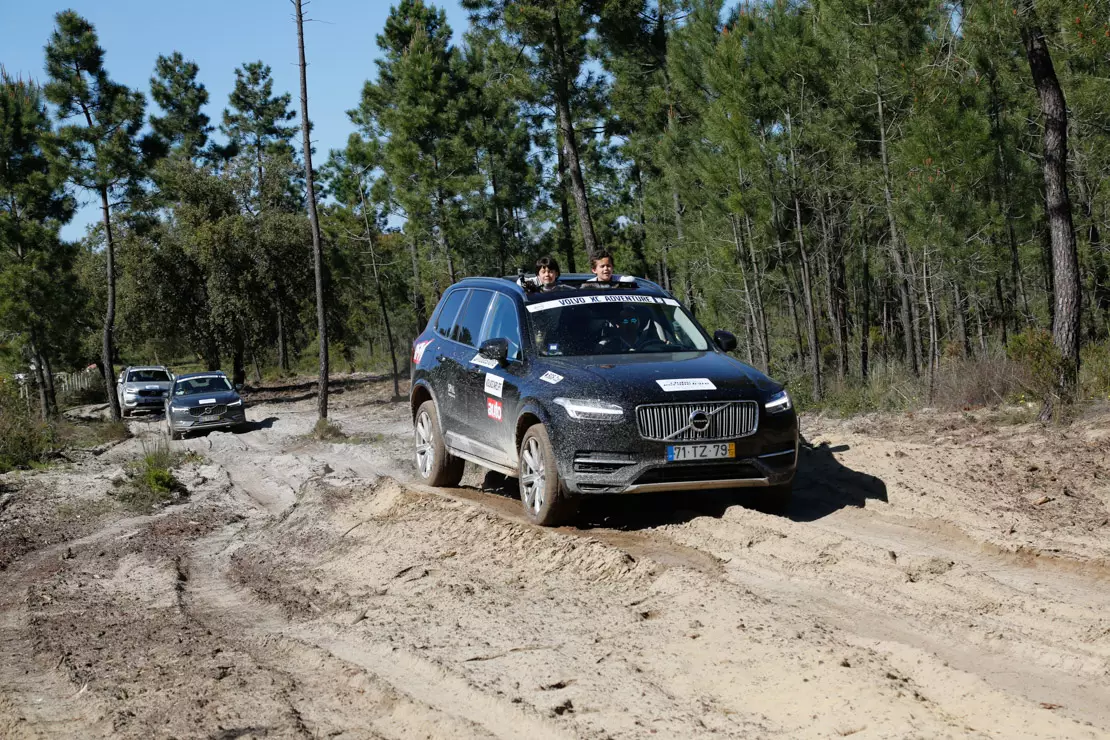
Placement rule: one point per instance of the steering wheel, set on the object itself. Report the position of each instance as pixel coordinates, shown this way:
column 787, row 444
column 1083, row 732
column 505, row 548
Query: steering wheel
column 651, row 344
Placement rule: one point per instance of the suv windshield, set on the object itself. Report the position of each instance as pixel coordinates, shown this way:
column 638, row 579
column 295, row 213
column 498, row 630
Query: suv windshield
column 209, row 384
column 148, row 376
column 612, row 325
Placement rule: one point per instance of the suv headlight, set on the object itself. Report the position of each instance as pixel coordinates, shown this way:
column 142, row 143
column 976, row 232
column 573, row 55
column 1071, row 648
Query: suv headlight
column 589, row 410
column 778, row 403
column 178, row 408
column 235, row 403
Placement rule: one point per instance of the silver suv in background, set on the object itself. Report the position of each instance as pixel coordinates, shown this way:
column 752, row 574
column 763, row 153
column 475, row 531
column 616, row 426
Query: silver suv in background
column 143, row 387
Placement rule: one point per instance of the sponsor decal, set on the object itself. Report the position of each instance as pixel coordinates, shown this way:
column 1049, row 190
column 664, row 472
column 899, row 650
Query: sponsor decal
column 207, row 400
column 418, row 350
column 450, row 390
column 494, row 384
column 483, row 361
column 149, row 387
column 686, row 384
column 493, row 409
column 591, row 299
column 550, row 377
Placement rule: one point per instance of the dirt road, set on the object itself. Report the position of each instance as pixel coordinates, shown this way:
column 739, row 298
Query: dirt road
column 944, row 575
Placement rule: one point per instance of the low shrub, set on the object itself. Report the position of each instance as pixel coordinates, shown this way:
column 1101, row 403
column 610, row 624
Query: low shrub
column 328, row 431
column 151, row 482
column 25, row 440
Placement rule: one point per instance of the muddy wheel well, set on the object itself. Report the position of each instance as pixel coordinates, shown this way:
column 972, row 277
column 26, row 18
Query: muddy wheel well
column 522, row 424
column 420, row 394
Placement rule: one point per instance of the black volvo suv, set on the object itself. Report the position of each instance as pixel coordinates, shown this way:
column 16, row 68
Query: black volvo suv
column 584, row 391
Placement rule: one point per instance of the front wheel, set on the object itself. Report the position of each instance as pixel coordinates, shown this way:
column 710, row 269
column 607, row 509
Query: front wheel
column 173, row 435
column 435, row 465
column 540, row 491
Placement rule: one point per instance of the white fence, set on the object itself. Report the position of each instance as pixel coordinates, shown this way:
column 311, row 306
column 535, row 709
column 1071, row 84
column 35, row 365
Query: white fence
column 64, row 383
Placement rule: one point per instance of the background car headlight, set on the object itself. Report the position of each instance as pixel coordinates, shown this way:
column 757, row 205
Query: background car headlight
column 778, row 403
column 590, row 410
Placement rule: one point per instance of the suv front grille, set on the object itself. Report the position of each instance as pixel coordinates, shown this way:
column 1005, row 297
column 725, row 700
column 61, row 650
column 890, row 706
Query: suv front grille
column 150, row 393
column 204, row 410
column 671, row 422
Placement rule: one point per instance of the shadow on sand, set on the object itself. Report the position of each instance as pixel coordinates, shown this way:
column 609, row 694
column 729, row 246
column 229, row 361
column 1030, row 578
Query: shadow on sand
column 822, row 486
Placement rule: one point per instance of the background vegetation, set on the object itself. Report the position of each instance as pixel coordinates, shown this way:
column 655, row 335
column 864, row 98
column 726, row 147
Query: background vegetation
column 854, row 186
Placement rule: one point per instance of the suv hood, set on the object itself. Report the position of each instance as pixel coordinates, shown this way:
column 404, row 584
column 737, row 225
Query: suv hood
column 205, row 399
column 662, row 377
column 147, row 385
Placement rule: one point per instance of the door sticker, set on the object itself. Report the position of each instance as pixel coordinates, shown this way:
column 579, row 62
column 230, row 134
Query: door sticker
column 686, row 384
column 493, row 409
column 418, row 351
column 483, row 361
column 451, row 390
column 550, row 377
column 494, row 384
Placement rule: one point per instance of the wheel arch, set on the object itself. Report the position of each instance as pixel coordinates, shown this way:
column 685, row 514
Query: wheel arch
column 420, row 393
column 531, row 413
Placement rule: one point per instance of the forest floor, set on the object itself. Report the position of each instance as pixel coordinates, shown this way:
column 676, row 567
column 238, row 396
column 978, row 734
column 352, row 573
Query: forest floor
column 938, row 575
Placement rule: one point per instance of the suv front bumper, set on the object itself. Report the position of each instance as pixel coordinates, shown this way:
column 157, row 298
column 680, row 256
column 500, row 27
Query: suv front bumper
column 613, row 458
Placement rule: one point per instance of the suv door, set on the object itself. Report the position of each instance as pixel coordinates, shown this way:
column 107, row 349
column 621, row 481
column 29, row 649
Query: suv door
column 468, row 327
column 447, row 365
column 494, row 405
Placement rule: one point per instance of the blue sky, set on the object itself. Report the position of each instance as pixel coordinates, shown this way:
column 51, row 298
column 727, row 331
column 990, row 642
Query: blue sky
column 219, row 36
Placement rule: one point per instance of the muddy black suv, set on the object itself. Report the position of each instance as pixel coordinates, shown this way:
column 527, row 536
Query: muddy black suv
column 584, row 391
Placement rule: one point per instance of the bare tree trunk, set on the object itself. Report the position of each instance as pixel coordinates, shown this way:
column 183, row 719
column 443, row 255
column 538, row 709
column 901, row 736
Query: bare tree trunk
column 418, row 308
column 764, row 341
column 807, row 285
column 1065, row 260
column 381, row 292
column 908, row 321
column 317, row 248
column 283, row 347
column 108, row 348
column 565, row 241
column 40, row 381
column 961, row 320
column 865, row 315
column 570, row 143
column 753, row 324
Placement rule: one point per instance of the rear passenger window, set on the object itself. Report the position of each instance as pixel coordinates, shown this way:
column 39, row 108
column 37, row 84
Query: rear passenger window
column 469, row 324
column 450, row 310
column 503, row 324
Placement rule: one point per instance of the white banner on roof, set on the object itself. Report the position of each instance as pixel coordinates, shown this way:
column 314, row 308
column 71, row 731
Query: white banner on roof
column 587, row 300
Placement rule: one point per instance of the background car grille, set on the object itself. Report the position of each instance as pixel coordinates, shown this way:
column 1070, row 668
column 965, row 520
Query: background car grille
column 202, row 410
column 670, row 422
column 150, row 393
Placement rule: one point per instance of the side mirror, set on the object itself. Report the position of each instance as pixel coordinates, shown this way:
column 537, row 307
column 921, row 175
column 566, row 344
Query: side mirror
column 239, row 386
column 495, row 349
column 726, row 340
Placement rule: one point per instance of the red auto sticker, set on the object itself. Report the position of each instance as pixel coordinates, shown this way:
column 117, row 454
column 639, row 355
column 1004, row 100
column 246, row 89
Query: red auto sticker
column 493, row 409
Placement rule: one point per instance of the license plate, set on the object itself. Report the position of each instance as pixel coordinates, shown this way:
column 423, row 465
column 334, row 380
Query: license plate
column 681, row 453
column 209, row 417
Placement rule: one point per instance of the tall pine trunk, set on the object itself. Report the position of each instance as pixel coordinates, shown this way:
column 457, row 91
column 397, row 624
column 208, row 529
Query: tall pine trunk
column 1065, row 260
column 566, row 243
column 317, row 248
column 378, row 287
column 108, row 346
column 570, row 143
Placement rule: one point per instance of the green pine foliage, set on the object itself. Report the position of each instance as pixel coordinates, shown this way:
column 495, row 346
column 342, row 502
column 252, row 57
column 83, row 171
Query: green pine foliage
column 854, row 187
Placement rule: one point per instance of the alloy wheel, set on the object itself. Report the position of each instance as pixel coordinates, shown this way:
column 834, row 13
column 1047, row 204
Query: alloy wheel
column 425, row 449
column 532, row 476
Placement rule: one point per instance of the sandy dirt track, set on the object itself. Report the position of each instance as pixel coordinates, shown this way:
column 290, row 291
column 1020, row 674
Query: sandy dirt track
column 939, row 575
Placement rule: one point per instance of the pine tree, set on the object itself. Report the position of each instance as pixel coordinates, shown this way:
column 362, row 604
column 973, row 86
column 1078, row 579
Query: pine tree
column 174, row 87
column 34, row 263
column 103, row 151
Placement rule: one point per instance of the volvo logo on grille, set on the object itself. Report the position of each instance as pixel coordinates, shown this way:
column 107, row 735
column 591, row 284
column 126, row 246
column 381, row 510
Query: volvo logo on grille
column 209, row 409
column 699, row 421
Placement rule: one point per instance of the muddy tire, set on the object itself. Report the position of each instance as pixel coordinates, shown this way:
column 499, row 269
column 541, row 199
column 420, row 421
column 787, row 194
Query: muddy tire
column 541, row 493
column 434, row 464
column 771, row 500
column 174, row 436
column 124, row 413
